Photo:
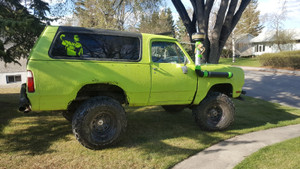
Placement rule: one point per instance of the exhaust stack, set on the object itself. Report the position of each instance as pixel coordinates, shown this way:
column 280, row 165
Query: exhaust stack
column 199, row 50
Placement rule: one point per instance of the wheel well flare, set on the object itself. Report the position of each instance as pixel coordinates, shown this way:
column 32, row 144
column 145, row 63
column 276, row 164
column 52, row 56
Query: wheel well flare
column 224, row 88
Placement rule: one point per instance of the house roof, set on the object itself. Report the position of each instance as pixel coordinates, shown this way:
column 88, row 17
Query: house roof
column 244, row 38
column 268, row 36
column 13, row 67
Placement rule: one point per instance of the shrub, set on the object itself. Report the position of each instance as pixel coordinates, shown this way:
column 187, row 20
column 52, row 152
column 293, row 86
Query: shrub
column 282, row 59
column 226, row 53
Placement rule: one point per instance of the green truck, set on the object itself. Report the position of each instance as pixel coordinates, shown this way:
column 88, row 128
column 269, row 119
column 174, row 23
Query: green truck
column 91, row 74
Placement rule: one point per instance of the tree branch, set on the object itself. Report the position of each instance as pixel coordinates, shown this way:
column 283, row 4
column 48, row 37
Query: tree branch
column 232, row 19
column 226, row 28
column 239, row 13
column 207, row 9
column 220, row 19
column 190, row 26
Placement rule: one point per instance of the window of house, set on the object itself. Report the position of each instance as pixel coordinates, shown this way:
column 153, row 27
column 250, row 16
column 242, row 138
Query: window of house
column 260, row 48
column 96, row 46
column 13, row 78
column 166, row 52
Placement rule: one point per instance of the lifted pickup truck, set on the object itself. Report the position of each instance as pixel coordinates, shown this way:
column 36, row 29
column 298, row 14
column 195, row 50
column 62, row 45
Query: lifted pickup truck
column 90, row 74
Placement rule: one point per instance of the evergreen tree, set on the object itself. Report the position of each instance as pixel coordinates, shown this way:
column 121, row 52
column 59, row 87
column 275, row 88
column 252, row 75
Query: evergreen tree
column 181, row 33
column 19, row 28
column 154, row 21
column 158, row 22
column 170, row 21
column 144, row 23
column 183, row 37
column 249, row 22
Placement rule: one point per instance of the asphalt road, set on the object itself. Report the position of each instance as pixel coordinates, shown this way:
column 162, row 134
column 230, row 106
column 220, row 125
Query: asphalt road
column 274, row 87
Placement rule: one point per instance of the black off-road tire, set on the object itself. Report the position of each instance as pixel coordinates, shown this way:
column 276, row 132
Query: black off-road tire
column 215, row 112
column 99, row 122
column 174, row 108
column 68, row 115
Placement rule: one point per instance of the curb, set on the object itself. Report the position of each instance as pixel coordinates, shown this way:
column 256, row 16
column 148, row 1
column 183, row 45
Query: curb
column 227, row 154
column 292, row 72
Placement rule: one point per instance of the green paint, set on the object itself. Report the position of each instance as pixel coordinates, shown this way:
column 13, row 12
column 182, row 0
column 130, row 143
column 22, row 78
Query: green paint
column 205, row 73
column 198, row 67
column 230, row 74
column 58, row 81
column 73, row 48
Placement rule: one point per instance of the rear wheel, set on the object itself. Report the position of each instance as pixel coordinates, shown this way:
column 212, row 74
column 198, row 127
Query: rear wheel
column 215, row 112
column 99, row 122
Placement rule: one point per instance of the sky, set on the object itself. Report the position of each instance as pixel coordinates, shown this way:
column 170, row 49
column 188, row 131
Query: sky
column 264, row 6
column 292, row 7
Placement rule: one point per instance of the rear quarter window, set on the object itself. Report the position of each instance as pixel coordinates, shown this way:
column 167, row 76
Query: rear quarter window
column 95, row 47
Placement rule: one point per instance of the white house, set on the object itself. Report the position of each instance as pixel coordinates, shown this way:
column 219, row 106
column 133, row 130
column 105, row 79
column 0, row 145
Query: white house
column 243, row 47
column 12, row 74
column 264, row 42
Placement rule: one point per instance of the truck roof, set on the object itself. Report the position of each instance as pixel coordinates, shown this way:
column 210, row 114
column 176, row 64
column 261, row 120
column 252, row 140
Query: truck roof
column 109, row 32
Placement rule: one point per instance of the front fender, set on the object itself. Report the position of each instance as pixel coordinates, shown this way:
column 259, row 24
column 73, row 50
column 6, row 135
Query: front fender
column 206, row 83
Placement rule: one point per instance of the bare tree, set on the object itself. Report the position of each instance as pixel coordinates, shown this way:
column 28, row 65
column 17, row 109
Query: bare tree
column 228, row 15
column 276, row 23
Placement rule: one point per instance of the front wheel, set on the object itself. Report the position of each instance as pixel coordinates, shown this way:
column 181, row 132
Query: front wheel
column 215, row 112
column 68, row 115
column 99, row 122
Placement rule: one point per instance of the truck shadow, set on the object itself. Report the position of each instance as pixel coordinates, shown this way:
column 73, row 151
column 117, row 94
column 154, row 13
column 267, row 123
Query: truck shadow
column 150, row 129
column 8, row 105
column 254, row 113
column 156, row 131
column 31, row 133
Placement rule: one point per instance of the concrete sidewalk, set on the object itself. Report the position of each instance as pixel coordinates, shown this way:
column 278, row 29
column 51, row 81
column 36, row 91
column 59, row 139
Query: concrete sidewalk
column 292, row 72
column 227, row 154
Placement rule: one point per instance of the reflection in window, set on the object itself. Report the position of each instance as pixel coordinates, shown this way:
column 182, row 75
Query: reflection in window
column 166, row 52
column 97, row 46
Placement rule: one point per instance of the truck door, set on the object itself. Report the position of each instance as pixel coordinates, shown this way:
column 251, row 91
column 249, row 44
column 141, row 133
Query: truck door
column 169, row 84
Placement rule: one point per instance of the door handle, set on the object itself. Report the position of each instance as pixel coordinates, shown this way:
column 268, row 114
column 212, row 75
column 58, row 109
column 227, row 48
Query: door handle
column 155, row 68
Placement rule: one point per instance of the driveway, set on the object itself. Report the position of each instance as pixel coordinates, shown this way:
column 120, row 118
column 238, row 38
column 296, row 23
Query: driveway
column 274, row 87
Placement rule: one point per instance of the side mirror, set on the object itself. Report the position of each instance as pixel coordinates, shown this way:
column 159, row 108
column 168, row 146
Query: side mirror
column 184, row 69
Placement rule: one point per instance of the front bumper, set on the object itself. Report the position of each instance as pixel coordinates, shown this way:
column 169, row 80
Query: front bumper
column 24, row 105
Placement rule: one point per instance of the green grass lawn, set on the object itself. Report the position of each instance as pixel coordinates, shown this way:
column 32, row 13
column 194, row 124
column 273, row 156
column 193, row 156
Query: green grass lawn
column 154, row 138
column 253, row 62
column 282, row 155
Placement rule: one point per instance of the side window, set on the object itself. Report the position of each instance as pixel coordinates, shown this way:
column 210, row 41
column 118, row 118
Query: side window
column 166, row 52
column 96, row 46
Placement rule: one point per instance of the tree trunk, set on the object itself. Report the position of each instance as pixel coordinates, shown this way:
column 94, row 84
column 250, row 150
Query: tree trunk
column 214, row 54
column 227, row 17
